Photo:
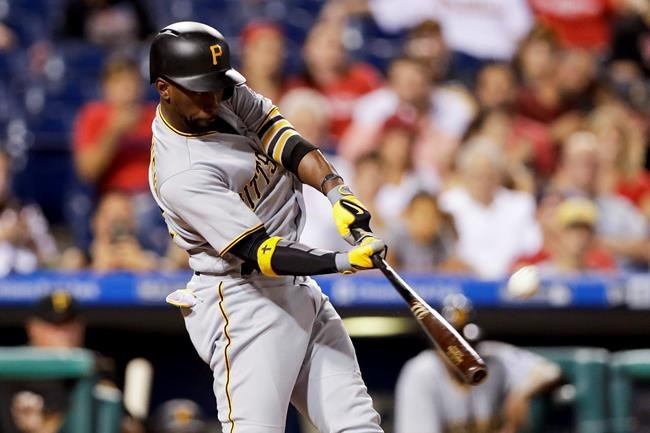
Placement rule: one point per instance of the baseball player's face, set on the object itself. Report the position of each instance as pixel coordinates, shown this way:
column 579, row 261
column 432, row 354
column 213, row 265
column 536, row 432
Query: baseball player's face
column 197, row 109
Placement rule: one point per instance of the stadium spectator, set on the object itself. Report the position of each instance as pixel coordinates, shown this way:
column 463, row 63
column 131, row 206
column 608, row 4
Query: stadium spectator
column 424, row 240
column 178, row 416
column 401, row 179
column 576, row 78
column 309, row 112
column 540, row 98
column 622, row 152
column 431, row 397
column 328, row 70
column 112, row 142
column 530, row 155
column 496, row 86
column 7, row 38
column 110, row 23
column 622, row 228
column 25, row 239
column 425, row 43
column 570, row 242
column 368, row 180
column 115, row 245
column 475, row 32
column 631, row 33
column 441, row 113
column 262, row 58
column 495, row 225
column 579, row 23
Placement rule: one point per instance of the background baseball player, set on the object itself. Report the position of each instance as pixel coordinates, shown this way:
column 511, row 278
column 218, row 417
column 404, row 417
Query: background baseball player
column 227, row 171
column 431, row 398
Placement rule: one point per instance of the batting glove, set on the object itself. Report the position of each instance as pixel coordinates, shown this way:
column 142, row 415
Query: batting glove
column 349, row 213
column 359, row 257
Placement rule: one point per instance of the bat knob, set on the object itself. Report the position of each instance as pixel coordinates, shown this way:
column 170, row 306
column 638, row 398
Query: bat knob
column 477, row 374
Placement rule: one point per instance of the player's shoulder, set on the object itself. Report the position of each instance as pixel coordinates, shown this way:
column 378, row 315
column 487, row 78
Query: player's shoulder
column 426, row 364
column 505, row 352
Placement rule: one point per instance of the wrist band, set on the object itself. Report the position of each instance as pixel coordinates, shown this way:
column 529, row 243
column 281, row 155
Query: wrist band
column 338, row 192
column 328, row 177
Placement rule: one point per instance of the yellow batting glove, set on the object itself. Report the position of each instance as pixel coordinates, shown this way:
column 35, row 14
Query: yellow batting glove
column 359, row 257
column 349, row 213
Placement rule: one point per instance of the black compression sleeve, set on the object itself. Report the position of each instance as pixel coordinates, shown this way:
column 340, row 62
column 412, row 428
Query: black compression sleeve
column 297, row 259
column 289, row 258
column 295, row 149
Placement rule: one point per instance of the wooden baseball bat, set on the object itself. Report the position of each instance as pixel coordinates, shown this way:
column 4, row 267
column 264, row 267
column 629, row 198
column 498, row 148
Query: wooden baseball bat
column 458, row 351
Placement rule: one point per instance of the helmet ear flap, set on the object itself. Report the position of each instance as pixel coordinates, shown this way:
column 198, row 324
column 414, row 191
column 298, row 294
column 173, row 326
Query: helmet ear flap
column 228, row 92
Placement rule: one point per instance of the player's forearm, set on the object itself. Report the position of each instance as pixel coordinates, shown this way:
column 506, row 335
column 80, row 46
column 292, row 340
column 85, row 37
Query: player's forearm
column 316, row 171
column 276, row 256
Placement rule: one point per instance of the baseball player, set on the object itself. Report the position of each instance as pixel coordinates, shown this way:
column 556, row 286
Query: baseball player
column 431, row 398
column 227, row 171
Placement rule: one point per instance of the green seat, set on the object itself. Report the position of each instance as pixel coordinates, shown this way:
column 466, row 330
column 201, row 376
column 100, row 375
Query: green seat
column 626, row 368
column 586, row 369
column 28, row 363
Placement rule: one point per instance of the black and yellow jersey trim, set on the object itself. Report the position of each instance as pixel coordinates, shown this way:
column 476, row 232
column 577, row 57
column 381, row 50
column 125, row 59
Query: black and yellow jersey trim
column 239, row 237
column 226, row 356
column 179, row 132
column 274, row 133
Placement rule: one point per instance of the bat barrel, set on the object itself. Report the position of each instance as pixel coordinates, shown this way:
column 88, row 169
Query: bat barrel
column 475, row 375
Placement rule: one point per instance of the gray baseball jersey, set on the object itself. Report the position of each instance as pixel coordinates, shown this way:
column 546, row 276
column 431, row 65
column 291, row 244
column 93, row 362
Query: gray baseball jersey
column 215, row 187
column 269, row 341
column 429, row 400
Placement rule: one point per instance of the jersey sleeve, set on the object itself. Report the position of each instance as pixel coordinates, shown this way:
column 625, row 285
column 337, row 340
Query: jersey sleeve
column 523, row 368
column 204, row 202
column 278, row 138
column 416, row 408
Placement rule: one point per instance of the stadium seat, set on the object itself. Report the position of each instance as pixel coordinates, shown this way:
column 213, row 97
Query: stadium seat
column 586, row 370
column 626, row 369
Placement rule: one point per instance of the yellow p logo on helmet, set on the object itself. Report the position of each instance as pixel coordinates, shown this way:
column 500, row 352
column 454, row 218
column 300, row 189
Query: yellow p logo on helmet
column 216, row 53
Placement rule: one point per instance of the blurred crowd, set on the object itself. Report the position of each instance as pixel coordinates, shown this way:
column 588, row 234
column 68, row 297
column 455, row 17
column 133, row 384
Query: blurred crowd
column 500, row 133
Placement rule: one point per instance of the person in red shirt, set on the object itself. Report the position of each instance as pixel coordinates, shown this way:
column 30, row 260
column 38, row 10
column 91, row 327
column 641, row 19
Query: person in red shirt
column 112, row 142
column 112, row 136
column 328, row 70
column 577, row 23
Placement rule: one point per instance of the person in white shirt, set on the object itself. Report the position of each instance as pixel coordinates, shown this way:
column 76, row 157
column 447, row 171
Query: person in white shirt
column 495, row 225
column 475, row 30
column 442, row 114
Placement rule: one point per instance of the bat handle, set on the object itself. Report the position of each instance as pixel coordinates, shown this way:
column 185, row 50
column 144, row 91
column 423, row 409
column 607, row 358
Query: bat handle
column 378, row 261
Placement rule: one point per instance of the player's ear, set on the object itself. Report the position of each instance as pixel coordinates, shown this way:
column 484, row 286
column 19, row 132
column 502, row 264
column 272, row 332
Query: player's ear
column 163, row 87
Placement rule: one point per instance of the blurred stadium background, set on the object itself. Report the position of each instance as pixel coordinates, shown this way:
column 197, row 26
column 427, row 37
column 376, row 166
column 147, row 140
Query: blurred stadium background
column 484, row 134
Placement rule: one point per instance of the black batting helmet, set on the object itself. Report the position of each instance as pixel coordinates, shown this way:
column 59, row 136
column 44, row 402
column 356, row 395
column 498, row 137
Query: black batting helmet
column 195, row 56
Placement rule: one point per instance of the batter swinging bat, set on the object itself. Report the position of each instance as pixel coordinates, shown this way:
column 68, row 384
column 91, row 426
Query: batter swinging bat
column 460, row 354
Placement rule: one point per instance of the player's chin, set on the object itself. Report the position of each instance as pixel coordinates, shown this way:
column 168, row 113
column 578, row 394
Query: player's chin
column 203, row 121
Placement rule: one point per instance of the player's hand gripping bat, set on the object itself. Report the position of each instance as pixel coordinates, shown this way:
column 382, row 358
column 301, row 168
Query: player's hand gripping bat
column 454, row 347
